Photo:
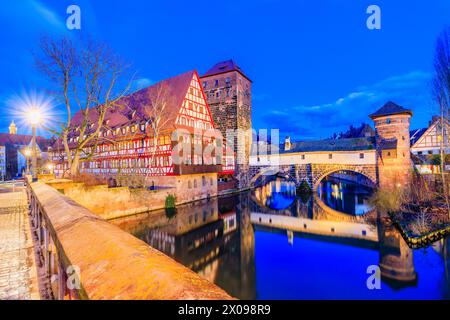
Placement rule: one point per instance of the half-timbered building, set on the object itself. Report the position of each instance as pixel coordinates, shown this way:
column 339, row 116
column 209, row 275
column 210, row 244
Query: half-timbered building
column 181, row 146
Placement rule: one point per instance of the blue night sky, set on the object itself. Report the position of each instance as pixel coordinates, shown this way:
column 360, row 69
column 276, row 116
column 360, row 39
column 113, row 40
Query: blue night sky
column 316, row 67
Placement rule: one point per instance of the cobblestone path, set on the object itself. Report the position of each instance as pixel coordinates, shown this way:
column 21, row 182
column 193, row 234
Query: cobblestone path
column 18, row 273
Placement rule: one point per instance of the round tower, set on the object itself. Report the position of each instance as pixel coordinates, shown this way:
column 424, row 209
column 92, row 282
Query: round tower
column 393, row 145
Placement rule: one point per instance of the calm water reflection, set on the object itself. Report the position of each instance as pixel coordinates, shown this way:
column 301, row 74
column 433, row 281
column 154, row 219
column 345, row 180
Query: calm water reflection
column 270, row 244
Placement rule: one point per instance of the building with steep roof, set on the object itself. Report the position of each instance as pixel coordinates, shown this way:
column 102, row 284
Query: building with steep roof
column 178, row 149
column 428, row 141
column 12, row 155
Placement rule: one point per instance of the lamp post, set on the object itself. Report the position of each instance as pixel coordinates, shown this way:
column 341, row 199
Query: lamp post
column 27, row 158
column 34, row 118
column 50, row 168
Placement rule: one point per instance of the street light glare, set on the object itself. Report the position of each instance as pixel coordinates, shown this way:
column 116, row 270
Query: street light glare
column 34, row 116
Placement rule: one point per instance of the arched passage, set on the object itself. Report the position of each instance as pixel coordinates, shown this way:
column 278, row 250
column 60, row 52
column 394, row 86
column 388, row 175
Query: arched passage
column 269, row 172
column 321, row 175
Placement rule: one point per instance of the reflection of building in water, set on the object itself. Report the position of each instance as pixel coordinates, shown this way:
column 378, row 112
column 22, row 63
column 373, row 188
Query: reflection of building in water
column 215, row 240
column 396, row 258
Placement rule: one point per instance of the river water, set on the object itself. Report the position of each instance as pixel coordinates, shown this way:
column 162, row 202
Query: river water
column 271, row 244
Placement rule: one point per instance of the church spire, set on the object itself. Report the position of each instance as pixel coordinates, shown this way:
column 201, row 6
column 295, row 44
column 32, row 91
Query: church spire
column 12, row 128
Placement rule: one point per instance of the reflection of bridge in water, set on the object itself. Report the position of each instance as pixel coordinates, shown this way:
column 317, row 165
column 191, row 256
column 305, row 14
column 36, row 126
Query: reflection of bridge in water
column 311, row 217
column 216, row 238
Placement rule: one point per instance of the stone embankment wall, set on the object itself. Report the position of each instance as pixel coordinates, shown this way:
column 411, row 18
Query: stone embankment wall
column 111, row 203
column 112, row 264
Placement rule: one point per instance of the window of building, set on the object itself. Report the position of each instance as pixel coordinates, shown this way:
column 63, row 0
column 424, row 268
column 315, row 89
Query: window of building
column 195, row 184
column 303, row 157
column 204, row 181
column 361, row 155
column 388, row 120
column 205, row 84
column 228, row 81
column 216, row 83
column 330, row 156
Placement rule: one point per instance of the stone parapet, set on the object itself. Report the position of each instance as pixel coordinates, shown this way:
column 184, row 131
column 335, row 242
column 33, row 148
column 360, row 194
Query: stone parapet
column 112, row 264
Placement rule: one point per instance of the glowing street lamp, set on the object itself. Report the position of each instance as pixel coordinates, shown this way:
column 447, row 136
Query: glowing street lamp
column 34, row 117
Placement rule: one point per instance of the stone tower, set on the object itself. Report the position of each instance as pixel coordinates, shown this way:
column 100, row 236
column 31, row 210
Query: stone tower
column 228, row 92
column 12, row 128
column 393, row 145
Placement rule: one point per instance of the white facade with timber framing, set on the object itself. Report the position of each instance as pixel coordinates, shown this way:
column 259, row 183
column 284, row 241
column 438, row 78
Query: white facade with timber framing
column 428, row 141
column 126, row 144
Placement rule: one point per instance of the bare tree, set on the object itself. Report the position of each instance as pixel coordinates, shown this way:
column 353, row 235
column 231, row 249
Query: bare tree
column 441, row 93
column 87, row 76
column 159, row 117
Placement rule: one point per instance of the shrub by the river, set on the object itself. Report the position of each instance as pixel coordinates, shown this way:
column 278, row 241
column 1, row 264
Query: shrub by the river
column 304, row 188
column 171, row 210
column 304, row 191
column 387, row 201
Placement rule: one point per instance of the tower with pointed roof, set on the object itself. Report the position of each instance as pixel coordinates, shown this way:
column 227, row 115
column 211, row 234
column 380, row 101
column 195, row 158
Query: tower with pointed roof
column 393, row 145
column 12, row 128
column 228, row 92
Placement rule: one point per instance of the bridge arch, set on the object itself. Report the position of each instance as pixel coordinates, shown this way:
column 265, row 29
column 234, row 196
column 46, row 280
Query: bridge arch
column 321, row 174
column 271, row 171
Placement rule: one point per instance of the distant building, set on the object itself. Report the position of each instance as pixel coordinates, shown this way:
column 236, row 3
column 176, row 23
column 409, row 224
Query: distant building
column 363, row 131
column 12, row 152
column 427, row 141
column 426, row 145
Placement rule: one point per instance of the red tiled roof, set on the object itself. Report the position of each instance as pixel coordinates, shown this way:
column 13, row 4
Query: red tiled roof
column 140, row 102
column 135, row 108
column 223, row 67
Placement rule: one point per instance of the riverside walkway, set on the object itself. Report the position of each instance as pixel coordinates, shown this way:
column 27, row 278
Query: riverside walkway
column 18, row 273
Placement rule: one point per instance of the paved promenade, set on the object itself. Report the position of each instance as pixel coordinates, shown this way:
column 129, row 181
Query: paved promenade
column 18, row 275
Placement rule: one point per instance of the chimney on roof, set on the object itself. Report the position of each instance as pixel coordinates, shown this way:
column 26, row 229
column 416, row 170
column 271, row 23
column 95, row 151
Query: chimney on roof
column 12, row 128
column 287, row 143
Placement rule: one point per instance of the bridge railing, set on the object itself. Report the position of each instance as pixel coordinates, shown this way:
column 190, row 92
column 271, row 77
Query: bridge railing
column 85, row 257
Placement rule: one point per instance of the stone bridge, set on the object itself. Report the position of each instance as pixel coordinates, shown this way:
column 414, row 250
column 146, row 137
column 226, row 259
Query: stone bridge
column 311, row 173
